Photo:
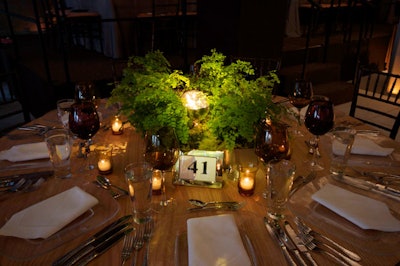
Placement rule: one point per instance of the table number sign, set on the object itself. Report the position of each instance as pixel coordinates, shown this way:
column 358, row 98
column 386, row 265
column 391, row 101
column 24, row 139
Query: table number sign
column 199, row 168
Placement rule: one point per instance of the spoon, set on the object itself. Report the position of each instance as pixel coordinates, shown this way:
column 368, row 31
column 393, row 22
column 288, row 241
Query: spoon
column 106, row 183
column 203, row 204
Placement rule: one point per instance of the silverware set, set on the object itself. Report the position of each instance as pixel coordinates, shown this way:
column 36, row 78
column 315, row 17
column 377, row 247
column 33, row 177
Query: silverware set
column 380, row 177
column 133, row 243
column 115, row 191
column 215, row 205
column 23, row 182
column 307, row 231
column 388, row 191
column 135, row 238
column 98, row 243
column 142, row 238
column 296, row 245
column 36, row 129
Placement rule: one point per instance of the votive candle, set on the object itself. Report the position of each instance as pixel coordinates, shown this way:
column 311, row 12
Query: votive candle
column 157, row 182
column 116, row 126
column 246, row 182
column 104, row 158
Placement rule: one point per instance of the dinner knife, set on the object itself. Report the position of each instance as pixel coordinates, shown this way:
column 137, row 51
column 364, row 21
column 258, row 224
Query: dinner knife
column 90, row 248
column 92, row 240
column 369, row 186
column 290, row 245
column 299, row 243
column 274, row 234
column 103, row 247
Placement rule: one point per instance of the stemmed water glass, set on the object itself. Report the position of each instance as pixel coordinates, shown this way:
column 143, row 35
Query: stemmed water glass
column 300, row 97
column 319, row 119
column 162, row 152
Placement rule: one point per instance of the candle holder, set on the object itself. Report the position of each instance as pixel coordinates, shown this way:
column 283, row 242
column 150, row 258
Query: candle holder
column 117, row 126
column 157, row 182
column 104, row 159
column 247, row 183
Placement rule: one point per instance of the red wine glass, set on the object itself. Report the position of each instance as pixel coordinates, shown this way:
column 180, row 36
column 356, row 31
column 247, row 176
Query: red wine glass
column 84, row 123
column 271, row 143
column 300, row 97
column 319, row 119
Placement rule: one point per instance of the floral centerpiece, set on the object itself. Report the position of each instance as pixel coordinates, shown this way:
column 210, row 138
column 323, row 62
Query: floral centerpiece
column 150, row 95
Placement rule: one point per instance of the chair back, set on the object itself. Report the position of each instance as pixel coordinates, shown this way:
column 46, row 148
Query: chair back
column 377, row 98
column 168, row 8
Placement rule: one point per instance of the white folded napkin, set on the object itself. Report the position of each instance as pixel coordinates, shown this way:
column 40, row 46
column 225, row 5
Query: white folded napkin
column 365, row 212
column 47, row 217
column 25, row 152
column 361, row 145
column 215, row 240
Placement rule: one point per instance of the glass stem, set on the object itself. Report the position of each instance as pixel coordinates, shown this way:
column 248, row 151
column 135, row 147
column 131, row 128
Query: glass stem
column 164, row 201
column 316, row 151
column 299, row 116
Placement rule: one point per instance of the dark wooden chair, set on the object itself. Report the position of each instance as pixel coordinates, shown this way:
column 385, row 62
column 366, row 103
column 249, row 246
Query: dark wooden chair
column 377, row 95
column 73, row 26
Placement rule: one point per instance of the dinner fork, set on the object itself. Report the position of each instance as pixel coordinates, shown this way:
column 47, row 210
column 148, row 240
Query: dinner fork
column 311, row 243
column 314, row 247
column 127, row 248
column 148, row 230
column 306, row 230
column 138, row 242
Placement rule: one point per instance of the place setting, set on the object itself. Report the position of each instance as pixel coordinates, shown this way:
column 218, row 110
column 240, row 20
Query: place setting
column 51, row 217
column 350, row 199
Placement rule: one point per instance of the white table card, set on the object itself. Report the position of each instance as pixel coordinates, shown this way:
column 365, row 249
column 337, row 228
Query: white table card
column 199, row 168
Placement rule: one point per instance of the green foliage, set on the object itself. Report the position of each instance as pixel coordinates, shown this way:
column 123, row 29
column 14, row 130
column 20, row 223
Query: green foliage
column 150, row 96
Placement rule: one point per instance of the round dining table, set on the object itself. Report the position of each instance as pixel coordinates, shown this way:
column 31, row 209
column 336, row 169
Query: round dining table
column 169, row 242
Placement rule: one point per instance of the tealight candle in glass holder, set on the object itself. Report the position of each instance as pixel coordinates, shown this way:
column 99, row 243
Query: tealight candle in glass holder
column 247, row 181
column 117, row 126
column 248, row 165
column 104, row 158
column 157, row 182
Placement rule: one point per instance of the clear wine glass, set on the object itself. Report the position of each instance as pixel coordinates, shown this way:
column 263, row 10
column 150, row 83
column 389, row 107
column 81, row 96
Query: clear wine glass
column 271, row 143
column 300, row 97
column 319, row 119
column 162, row 152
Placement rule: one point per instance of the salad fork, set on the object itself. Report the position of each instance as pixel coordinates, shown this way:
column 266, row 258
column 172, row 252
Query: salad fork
column 306, row 230
column 127, row 248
